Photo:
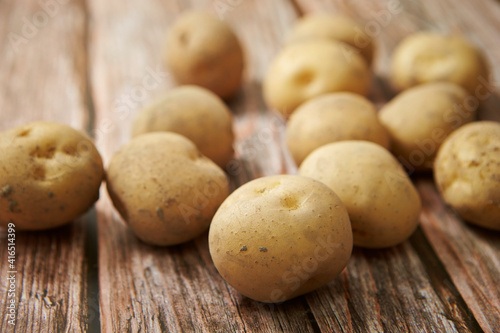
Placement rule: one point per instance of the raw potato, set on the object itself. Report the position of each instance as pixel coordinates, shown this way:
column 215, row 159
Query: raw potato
column 50, row 174
column 428, row 57
column 279, row 237
column 195, row 113
column 164, row 188
column 383, row 204
column 420, row 118
column 467, row 173
column 330, row 118
column 333, row 27
column 204, row 51
column 312, row 68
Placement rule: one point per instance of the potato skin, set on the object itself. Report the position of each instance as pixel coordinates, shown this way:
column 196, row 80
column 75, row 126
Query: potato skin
column 311, row 68
column 333, row 27
column 50, row 174
column 430, row 57
column 383, row 205
column 279, row 237
column 204, row 51
column 196, row 113
column 420, row 118
column 467, row 173
column 164, row 188
column 333, row 117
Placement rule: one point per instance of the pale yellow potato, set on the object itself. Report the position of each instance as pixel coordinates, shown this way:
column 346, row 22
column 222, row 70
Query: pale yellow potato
column 279, row 237
column 429, row 57
column 333, row 27
column 420, row 118
column 383, row 204
column 50, row 174
column 467, row 173
column 205, row 51
column 333, row 117
column 195, row 113
column 305, row 70
column 164, row 188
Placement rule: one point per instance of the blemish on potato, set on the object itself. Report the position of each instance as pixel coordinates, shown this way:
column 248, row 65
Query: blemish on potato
column 12, row 205
column 290, row 202
column 262, row 249
column 39, row 172
column 159, row 213
column 243, row 248
column 24, row 133
column 6, row 190
column 304, row 77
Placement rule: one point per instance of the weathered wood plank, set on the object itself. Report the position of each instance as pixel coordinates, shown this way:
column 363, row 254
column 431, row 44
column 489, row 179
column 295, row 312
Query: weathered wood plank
column 42, row 77
column 470, row 254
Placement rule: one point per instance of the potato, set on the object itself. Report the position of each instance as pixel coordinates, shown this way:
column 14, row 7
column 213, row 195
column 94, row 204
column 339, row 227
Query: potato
column 429, row 57
column 279, row 237
column 420, row 118
column 312, row 68
column 195, row 113
column 164, row 188
column 467, row 173
column 383, row 204
column 330, row 118
column 333, row 27
column 49, row 175
column 204, row 51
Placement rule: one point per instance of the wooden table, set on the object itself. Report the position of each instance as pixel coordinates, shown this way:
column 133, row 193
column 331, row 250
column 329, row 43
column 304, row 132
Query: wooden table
column 92, row 64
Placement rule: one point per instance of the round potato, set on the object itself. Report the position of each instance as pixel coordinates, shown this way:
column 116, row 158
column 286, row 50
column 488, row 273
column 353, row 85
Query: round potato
column 204, row 51
column 467, row 173
column 279, row 237
column 312, row 68
column 420, row 118
column 195, row 113
column 330, row 118
column 49, row 175
column 429, row 57
column 383, row 204
column 333, row 27
column 164, row 188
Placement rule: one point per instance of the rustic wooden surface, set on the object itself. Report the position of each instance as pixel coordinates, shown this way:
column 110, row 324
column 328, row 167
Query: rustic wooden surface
column 92, row 64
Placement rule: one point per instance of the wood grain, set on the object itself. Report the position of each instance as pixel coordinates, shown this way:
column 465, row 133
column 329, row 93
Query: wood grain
column 43, row 77
column 470, row 254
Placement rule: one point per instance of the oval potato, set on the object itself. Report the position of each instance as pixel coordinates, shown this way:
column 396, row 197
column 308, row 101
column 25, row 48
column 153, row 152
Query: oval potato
column 429, row 57
column 196, row 113
column 420, row 118
column 333, row 117
column 305, row 70
column 333, row 27
column 50, row 174
column 467, row 173
column 279, row 237
column 383, row 205
column 164, row 188
column 205, row 51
